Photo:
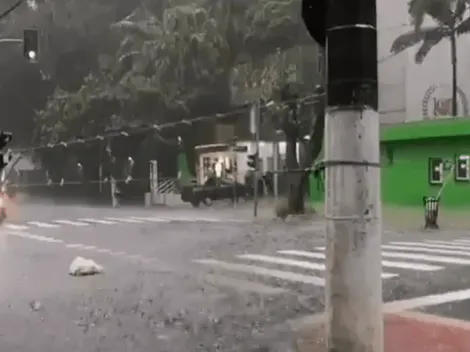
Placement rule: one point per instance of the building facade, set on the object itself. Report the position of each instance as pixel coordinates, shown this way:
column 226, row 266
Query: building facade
column 410, row 92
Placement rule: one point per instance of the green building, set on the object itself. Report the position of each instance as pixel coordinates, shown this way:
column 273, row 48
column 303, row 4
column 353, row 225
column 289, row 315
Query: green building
column 425, row 158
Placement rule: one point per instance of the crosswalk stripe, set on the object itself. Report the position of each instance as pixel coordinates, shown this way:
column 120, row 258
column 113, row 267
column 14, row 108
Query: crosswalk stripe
column 412, row 266
column 43, row 224
column 243, row 285
column 153, row 219
column 316, row 266
column 283, row 261
column 385, row 263
column 427, row 250
column 74, row 245
column 447, row 245
column 96, row 221
column 16, row 227
column 191, row 219
column 462, row 241
column 132, row 221
column 35, row 237
column 256, row 270
column 427, row 258
column 69, row 222
column 437, row 259
column 304, row 253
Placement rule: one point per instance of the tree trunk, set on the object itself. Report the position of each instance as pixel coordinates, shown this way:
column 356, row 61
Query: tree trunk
column 296, row 195
column 453, row 54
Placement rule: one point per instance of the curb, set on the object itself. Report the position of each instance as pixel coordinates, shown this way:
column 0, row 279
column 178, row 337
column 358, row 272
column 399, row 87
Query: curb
column 401, row 308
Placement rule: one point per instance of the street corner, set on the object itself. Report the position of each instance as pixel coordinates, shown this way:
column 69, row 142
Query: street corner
column 403, row 332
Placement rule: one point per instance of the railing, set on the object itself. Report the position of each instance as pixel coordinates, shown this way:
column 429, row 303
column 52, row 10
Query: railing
column 167, row 185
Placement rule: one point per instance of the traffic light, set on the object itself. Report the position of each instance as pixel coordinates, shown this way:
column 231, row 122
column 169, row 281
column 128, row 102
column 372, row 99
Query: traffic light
column 31, row 44
column 252, row 161
column 5, row 138
column 314, row 17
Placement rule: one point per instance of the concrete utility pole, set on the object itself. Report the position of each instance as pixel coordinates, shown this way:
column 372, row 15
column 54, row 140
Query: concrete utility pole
column 353, row 201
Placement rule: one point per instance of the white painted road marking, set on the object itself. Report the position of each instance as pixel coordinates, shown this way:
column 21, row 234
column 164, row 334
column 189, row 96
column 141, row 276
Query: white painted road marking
column 427, row 258
column 411, row 266
column 16, row 227
column 412, row 256
column 396, row 307
column 118, row 253
column 32, row 236
column 132, row 221
column 427, row 250
column 74, row 245
column 43, row 224
column 251, row 269
column 69, row 222
column 96, row 221
column 102, row 250
column 243, row 285
column 447, row 245
column 321, row 267
column 304, row 253
column 282, row 261
column 385, row 263
column 463, row 241
column 431, row 300
column 152, row 219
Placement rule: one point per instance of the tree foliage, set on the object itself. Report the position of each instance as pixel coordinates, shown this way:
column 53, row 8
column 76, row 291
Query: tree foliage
column 451, row 17
column 178, row 60
column 183, row 60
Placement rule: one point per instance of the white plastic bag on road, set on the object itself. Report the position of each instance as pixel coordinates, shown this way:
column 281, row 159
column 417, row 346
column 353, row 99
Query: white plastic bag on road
column 82, row 267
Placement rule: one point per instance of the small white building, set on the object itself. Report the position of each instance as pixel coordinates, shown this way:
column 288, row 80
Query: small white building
column 232, row 162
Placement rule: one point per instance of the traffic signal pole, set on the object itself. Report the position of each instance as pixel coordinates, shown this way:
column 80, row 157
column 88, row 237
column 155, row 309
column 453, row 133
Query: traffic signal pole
column 352, row 160
column 255, row 116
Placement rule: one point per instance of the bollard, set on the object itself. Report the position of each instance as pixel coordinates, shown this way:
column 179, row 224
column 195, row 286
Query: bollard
column 148, row 199
column 114, row 193
column 431, row 212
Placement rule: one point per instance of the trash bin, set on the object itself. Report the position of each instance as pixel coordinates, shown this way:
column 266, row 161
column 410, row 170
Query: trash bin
column 431, row 212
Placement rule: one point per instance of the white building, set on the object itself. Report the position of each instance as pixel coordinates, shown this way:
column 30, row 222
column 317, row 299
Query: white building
column 219, row 158
column 409, row 91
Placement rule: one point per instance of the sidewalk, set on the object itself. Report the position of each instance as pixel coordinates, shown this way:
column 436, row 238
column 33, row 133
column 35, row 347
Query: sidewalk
column 405, row 332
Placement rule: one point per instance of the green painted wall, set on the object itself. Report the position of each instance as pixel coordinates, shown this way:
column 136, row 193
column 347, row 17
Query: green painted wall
column 406, row 180
column 406, row 149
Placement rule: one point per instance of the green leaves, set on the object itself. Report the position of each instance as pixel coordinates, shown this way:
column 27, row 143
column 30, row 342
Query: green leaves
column 186, row 52
column 449, row 17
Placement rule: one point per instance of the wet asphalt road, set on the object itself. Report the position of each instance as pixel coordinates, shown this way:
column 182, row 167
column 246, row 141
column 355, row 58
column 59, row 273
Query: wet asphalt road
column 156, row 295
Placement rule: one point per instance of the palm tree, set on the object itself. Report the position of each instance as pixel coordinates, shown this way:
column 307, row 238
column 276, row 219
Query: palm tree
column 452, row 19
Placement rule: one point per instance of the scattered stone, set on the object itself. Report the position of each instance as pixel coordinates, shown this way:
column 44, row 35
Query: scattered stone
column 83, row 267
column 35, row 305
